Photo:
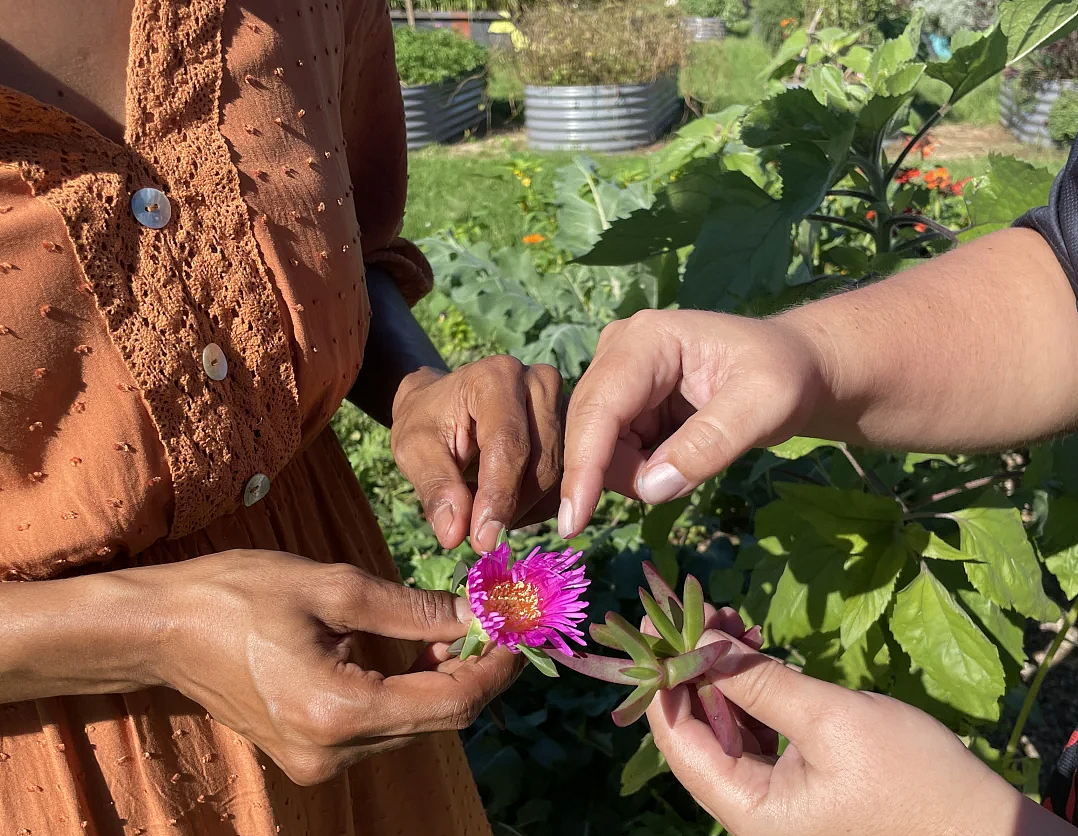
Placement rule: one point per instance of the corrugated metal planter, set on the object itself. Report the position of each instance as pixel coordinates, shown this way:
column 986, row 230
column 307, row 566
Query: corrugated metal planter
column 443, row 112
column 474, row 25
column 600, row 117
column 1028, row 121
column 704, row 28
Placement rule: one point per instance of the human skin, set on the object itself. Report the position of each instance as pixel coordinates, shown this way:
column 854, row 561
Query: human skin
column 975, row 350
column 144, row 627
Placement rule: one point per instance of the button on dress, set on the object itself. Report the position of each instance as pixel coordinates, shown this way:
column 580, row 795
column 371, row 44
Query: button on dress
column 180, row 316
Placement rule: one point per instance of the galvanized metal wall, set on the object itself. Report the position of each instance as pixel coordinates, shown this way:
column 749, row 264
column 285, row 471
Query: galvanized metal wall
column 704, row 28
column 600, row 118
column 1028, row 122
column 443, row 112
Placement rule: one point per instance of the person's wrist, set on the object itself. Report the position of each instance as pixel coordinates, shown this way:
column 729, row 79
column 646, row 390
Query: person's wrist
column 822, row 370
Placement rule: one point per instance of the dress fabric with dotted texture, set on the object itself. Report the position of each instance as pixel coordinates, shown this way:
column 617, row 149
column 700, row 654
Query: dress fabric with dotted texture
column 170, row 368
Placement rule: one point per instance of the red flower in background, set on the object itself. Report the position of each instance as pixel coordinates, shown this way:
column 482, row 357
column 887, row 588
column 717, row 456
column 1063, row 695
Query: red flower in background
column 957, row 186
column 938, row 178
column 920, row 227
column 906, row 175
column 871, row 214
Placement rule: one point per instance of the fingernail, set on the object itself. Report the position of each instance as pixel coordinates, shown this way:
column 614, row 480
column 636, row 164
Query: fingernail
column 442, row 520
column 660, row 483
column 489, row 533
column 730, row 662
column 463, row 610
column 565, row 518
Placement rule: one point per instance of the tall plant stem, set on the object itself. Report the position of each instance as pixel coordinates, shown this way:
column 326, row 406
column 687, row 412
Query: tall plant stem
column 1038, row 680
column 839, row 221
column 930, row 123
column 865, row 196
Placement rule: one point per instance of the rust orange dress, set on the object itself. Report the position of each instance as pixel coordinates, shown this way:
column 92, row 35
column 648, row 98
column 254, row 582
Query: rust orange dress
column 180, row 316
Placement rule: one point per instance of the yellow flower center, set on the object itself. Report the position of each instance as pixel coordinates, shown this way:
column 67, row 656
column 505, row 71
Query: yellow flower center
column 518, row 602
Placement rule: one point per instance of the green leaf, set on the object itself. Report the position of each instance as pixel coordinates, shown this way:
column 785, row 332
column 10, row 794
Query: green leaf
column 543, row 662
column 1031, row 24
column 659, row 521
column 960, row 665
column 937, row 548
column 913, row 459
column 973, row 61
column 1004, row 628
column 809, row 595
column 865, row 665
column 826, row 84
column 792, row 116
column 1008, row 573
column 693, row 605
column 460, row 574
column 588, row 204
column 661, row 622
column 1011, row 188
column 645, row 764
column 799, row 446
column 630, row 640
column 672, row 221
column 889, row 57
column 903, row 82
column 787, row 57
column 873, row 576
column 434, row 573
column 566, row 345
column 1059, row 543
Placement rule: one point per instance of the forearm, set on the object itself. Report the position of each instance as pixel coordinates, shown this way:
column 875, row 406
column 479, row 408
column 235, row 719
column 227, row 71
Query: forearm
column 89, row 635
column 396, row 347
column 975, row 350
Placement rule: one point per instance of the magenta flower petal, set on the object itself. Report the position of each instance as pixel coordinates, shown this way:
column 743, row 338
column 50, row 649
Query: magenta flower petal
column 537, row 602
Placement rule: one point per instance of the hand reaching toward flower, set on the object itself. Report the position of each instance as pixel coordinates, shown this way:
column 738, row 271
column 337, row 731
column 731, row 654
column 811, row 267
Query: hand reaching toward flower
column 855, row 763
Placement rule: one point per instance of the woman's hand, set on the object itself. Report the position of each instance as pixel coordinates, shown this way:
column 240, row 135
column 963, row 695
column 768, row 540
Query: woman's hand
column 264, row 641
column 855, row 762
column 507, row 413
column 673, row 397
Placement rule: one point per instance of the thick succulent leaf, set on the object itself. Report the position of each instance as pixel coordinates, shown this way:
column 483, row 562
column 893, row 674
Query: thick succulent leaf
column 688, row 666
column 606, row 668
column 721, row 720
column 540, row 660
column 661, row 622
column 635, row 705
column 693, row 628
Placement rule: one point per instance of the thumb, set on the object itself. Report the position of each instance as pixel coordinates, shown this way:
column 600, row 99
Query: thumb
column 355, row 601
column 744, row 413
column 780, row 697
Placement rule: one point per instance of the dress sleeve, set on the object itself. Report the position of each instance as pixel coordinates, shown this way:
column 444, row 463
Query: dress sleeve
column 372, row 115
column 83, row 475
column 1057, row 222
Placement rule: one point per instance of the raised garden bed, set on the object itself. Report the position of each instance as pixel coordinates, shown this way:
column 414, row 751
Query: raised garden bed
column 702, row 29
column 446, row 112
column 600, row 117
column 1026, row 115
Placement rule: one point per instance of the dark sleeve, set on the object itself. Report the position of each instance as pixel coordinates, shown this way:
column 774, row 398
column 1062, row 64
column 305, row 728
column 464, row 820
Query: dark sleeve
column 1058, row 221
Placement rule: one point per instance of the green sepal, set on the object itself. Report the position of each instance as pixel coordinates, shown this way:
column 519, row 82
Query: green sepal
column 661, row 622
column 540, row 660
column 474, row 640
column 460, row 574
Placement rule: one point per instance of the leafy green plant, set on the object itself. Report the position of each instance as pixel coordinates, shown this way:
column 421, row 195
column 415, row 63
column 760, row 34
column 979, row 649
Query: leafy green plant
column 431, row 56
column 706, row 8
column 604, row 43
column 773, row 19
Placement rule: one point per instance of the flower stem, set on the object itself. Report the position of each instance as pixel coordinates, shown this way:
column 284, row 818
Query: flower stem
column 840, row 221
column 1038, row 680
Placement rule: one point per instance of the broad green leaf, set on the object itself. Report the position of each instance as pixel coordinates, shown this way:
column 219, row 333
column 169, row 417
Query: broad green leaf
column 787, row 57
column 875, row 118
column 1008, row 573
column 1059, row 543
column 1005, row 628
column 960, row 664
column 936, row 548
column 645, row 764
column 904, row 81
column 809, row 595
column 1031, row 24
column 843, row 504
column 725, row 585
column 863, row 666
column 873, row 576
column 974, row 60
column 857, row 59
column 588, row 204
column 793, row 116
column 799, row 446
column 659, row 521
column 766, row 560
column 889, row 57
column 1011, row 188
column 543, row 662
column 671, row 222
column 435, row 572
column 826, row 84
column 566, row 345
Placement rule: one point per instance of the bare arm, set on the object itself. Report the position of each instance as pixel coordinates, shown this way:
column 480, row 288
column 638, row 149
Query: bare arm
column 977, row 349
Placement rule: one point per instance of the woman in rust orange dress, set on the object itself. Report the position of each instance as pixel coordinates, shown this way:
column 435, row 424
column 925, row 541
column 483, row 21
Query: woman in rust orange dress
column 200, row 628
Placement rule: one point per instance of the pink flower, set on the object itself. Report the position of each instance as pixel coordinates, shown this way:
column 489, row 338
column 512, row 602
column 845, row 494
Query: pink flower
column 531, row 602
